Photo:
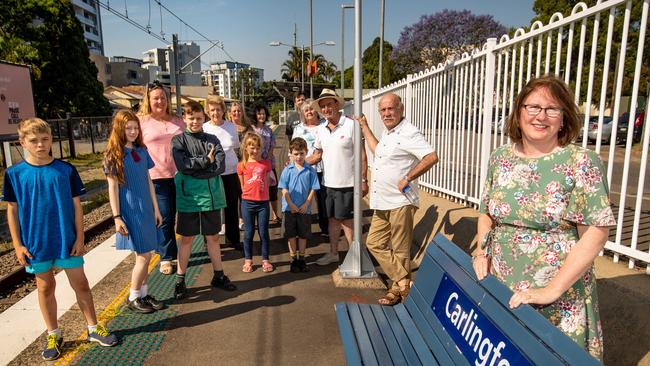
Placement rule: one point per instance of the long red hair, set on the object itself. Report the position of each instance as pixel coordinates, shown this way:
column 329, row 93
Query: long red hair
column 114, row 154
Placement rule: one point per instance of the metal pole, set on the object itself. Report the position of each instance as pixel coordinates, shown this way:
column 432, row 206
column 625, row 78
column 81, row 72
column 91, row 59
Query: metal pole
column 381, row 45
column 302, row 69
column 311, row 52
column 177, row 74
column 342, row 51
column 357, row 263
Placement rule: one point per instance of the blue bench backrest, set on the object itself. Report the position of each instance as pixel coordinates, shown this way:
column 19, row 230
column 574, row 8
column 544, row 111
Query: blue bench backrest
column 473, row 321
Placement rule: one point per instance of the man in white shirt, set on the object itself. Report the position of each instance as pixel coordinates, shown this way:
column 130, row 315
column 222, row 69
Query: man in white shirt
column 335, row 145
column 401, row 155
column 293, row 118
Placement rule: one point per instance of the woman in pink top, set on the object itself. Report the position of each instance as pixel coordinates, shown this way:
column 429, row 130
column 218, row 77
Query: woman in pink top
column 159, row 125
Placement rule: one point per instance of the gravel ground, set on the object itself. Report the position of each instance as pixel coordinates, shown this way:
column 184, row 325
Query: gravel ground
column 8, row 261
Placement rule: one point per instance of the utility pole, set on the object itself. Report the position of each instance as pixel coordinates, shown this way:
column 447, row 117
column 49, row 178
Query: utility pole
column 381, row 45
column 311, row 52
column 177, row 73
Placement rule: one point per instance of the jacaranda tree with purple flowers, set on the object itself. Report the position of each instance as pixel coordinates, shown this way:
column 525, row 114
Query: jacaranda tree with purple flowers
column 439, row 37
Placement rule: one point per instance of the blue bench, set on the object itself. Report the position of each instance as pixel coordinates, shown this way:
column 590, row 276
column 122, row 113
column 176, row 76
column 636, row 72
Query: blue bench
column 451, row 319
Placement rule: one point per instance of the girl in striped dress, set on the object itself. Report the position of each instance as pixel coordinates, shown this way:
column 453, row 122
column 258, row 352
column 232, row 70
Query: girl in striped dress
column 133, row 202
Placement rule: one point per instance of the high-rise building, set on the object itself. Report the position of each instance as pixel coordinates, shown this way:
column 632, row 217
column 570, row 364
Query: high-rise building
column 159, row 62
column 87, row 11
column 223, row 76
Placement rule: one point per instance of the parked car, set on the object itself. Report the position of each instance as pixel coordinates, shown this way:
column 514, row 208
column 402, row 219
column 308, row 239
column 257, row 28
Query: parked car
column 592, row 129
column 622, row 129
column 592, row 132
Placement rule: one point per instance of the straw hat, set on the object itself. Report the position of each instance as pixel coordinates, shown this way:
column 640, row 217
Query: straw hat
column 325, row 94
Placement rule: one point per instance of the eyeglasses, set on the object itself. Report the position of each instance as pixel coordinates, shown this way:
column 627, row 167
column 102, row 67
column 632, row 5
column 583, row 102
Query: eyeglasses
column 534, row 109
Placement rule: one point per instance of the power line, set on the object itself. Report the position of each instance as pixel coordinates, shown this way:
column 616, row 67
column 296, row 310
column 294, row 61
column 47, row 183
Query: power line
column 218, row 44
column 134, row 23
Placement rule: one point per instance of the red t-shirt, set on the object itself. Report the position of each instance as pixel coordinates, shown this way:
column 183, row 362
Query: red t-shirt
column 256, row 180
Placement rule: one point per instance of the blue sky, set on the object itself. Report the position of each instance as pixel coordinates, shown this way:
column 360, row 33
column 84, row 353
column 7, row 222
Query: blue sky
column 246, row 27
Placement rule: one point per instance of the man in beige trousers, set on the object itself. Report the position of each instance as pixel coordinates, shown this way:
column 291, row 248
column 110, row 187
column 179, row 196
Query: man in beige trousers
column 401, row 155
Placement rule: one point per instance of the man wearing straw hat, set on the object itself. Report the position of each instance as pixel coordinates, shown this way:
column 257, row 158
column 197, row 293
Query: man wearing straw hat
column 335, row 145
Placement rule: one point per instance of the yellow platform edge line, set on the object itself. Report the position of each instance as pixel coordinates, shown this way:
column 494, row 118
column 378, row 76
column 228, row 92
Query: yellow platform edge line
column 108, row 314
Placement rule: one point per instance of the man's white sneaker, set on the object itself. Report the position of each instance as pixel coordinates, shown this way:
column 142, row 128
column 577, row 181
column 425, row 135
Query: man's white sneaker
column 327, row 259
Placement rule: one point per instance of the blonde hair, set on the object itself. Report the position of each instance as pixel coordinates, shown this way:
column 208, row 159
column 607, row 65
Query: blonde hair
column 244, row 119
column 250, row 139
column 216, row 100
column 145, row 104
column 33, row 126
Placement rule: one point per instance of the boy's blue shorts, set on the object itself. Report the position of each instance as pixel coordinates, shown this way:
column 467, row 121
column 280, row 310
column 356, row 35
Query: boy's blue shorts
column 44, row 266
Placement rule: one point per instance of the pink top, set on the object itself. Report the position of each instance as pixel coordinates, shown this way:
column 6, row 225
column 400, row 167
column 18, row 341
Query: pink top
column 256, row 180
column 157, row 135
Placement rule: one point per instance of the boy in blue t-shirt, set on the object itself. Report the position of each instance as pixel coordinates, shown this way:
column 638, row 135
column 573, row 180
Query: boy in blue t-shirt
column 299, row 183
column 46, row 224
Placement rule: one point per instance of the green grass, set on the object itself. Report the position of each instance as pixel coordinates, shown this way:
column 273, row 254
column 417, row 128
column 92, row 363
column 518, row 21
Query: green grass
column 95, row 202
column 95, row 183
column 87, row 161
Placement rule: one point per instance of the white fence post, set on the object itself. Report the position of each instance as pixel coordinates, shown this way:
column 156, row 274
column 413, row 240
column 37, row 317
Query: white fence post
column 488, row 106
column 409, row 98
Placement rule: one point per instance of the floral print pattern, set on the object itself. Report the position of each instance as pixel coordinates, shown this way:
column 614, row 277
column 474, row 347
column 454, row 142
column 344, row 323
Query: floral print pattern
column 536, row 204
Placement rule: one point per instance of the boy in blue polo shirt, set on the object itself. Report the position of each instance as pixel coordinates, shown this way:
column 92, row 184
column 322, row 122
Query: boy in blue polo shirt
column 299, row 183
column 46, row 225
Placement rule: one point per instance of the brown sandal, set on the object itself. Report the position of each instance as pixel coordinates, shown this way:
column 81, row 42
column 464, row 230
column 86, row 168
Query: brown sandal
column 392, row 297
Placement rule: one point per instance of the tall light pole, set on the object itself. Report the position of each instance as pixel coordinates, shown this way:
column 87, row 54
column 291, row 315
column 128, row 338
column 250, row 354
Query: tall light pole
column 357, row 263
column 381, row 45
column 343, row 7
column 311, row 52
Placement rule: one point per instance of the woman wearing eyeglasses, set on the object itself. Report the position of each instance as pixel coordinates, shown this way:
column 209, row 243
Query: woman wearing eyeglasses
column 545, row 213
column 159, row 125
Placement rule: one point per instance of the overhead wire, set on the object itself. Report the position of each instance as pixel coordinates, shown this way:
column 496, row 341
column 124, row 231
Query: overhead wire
column 130, row 21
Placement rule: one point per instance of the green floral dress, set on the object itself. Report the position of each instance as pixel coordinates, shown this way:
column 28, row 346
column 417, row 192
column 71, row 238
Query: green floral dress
column 536, row 204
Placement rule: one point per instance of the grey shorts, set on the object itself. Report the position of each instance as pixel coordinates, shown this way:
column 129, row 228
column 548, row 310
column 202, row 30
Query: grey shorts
column 198, row 223
column 296, row 225
column 340, row 203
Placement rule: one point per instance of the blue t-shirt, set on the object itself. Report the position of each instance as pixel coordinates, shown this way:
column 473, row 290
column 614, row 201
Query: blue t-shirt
column 45, row 208
column 299, row 183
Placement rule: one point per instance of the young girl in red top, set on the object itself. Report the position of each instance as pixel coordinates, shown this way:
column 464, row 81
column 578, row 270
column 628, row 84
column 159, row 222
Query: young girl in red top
column 254, row 177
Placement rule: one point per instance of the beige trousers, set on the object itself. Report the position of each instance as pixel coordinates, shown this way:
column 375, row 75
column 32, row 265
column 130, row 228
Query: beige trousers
column 389, row 240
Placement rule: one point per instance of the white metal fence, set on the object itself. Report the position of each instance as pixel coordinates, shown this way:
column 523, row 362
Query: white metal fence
column 460, row 106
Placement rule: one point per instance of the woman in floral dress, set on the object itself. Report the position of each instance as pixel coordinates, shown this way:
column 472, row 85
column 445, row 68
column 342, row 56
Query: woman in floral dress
column 545, row 213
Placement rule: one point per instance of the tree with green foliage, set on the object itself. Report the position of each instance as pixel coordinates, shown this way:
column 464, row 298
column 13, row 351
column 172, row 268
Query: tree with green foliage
column 544, row 9
column 47, row 35
column 297, row 64
column 370, row 68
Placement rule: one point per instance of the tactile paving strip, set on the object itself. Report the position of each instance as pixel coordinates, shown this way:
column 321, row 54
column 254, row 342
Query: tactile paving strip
column 142, row 334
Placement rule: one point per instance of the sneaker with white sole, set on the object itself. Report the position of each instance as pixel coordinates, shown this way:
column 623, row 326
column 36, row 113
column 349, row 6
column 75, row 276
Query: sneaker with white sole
column 53, row 349
column 102, row 336
column 327, row 259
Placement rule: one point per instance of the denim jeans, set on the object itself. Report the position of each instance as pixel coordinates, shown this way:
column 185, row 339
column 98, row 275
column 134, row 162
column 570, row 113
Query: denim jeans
column 166, row 197
column 249, row 211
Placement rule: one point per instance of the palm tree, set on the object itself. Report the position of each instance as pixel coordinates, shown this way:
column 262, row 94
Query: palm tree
column 292, row 68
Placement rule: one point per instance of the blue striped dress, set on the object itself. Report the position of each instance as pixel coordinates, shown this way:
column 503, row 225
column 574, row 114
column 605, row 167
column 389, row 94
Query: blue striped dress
column 136, row 207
